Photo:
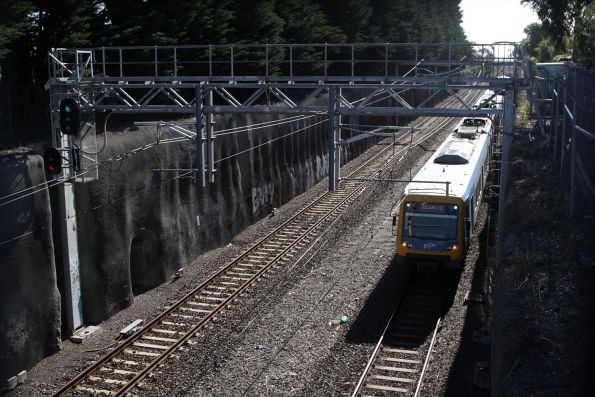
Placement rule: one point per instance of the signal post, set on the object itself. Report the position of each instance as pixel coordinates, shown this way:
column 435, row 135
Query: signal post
column 66, row 126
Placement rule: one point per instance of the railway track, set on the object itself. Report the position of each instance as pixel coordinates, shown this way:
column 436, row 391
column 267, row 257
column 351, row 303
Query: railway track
column 119, row 371
column 399, row 360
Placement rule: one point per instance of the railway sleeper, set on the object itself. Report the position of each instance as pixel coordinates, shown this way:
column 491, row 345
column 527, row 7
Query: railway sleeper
column 151, row 346
column 176, row 325
column 240, row 274
column 117, row 371
column 236, row 283
column 286, row 239
column 397, row 369
column 141, row 353
column 393, row 378
column 215, row 293
column 387, row 388
column 185, row 317
column 401, row 360
column 202, row 304
column 93, row 391
column 108, row 381
column 217, row 287
column 159, row 339
column 200, row 312
column 258, row 262
column 400, row 351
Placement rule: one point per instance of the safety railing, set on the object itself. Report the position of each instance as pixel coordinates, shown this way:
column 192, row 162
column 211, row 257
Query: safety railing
column 284, row 61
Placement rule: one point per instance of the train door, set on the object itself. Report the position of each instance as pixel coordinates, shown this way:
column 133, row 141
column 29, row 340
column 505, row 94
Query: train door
column 468, row 220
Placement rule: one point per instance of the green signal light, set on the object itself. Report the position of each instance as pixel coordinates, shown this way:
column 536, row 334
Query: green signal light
column 67, row 109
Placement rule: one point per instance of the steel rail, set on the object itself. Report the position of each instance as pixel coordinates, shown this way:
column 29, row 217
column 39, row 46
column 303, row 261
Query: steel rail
column 428, row 355
column 394, row 365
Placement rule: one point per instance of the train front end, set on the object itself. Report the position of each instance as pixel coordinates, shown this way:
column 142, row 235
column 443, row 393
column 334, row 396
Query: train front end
column 431, row 228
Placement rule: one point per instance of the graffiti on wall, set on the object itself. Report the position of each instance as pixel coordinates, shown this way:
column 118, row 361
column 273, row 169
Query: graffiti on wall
column 262, row 196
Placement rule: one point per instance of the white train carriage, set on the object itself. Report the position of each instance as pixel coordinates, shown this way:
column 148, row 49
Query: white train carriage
column 438, row 212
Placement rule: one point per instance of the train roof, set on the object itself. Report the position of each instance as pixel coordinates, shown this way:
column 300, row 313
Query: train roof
column 458, row 160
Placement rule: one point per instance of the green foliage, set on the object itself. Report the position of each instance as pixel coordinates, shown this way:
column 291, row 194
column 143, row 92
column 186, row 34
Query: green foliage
column 352, row 16
column 563, row 19
column 13, row 23
column 535, row 35
column 584, row 37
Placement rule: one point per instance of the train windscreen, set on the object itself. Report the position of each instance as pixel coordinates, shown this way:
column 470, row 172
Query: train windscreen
column 430, row 221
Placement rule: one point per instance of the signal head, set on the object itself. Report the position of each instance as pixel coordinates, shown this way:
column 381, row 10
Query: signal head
column 70, row 116
column 52, row 161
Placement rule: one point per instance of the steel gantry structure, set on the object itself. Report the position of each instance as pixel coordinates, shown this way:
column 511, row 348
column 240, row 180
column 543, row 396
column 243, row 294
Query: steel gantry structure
column 331, row 79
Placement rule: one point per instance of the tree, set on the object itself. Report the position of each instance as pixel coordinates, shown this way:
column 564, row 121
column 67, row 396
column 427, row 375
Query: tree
column 13, row 23
column 305, row 22
column 568, row 18
column 584, row 37
column 212, row 23
column 535, row 35
column 352, row 16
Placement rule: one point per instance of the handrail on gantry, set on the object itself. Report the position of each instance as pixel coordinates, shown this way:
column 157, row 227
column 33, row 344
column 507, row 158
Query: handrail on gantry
column 290, row 61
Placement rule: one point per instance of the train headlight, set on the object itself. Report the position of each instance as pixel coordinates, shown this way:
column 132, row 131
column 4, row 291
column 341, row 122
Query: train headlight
column 452, row 247
column 405, row 244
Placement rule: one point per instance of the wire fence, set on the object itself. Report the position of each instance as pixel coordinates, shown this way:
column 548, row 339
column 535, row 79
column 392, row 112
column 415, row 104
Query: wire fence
column 564, row 94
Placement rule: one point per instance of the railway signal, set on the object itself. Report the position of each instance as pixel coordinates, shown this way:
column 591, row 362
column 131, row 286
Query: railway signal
column 70, row 116
column 52, row 161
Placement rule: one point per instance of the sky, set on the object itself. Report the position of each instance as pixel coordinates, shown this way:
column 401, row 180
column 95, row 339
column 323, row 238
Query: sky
column 487, row 21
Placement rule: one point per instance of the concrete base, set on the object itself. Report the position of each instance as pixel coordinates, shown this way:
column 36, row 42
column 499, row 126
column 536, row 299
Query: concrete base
column 19, row 379
column 84, row 333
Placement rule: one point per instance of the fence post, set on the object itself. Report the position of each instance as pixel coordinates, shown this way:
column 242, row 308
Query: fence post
column 554, row 124
column 504, row 167
column 573, row 143
column 563, row 138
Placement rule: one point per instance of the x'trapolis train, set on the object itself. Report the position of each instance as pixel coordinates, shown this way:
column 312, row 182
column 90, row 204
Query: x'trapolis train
column 438, row 212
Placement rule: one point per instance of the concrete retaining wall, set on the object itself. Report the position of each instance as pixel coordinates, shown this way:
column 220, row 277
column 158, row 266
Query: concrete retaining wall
column 30, row 302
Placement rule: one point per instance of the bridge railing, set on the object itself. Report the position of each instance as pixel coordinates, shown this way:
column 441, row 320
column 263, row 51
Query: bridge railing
column 285, row 62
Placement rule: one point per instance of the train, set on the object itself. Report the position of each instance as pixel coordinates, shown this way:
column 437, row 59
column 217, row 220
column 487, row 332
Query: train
column 438, row 212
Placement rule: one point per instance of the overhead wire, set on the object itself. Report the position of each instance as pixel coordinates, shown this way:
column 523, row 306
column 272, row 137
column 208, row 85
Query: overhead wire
column 46, row 185
column 265, row 124
column 269, row 141
column 49, row 184
column 91, row 209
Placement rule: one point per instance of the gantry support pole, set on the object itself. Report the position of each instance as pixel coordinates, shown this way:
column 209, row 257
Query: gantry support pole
column 338, row 146
column 210, row 146
column 200, row 132
column 334, row 150
column 504, row 167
